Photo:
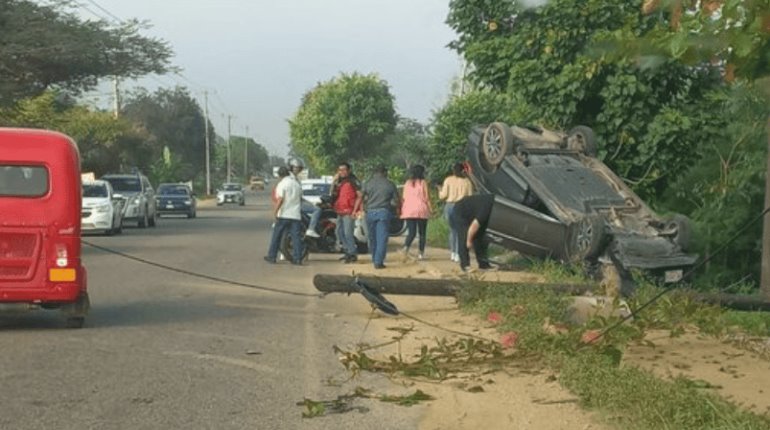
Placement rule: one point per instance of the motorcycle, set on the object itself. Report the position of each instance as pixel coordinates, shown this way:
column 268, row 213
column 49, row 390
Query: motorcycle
column 327, row 241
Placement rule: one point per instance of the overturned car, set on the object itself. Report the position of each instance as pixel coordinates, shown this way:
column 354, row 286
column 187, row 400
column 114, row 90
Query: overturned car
column 554, row 198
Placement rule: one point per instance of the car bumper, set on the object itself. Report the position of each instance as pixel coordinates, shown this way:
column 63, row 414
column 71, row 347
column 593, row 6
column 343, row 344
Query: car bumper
column 102, row 221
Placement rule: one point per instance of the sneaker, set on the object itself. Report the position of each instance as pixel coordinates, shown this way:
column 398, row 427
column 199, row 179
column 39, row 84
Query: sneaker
column 421, row 256
column 351, row 259
column 379, row 266
column 455, row 257
column 280, row 257
column 311, row 233
column 270, row 260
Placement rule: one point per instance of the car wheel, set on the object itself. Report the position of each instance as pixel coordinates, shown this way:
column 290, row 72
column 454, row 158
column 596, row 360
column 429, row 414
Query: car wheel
column 682, row 226
column 586, row 238
column 397, row 227
column 583, row 140
column 496, row 143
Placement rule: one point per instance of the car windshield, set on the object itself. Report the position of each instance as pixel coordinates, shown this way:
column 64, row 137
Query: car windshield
column 317, row 190
column 130, row 184
column 173, row 190
column 232, row 187
column 95, row 190
column 23, row 181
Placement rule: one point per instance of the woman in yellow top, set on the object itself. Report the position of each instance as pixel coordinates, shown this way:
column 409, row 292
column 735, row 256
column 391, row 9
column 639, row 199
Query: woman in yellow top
column 455, row 187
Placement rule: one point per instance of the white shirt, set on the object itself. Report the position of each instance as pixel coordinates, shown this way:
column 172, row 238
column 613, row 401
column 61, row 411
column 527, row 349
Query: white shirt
column 290, row 190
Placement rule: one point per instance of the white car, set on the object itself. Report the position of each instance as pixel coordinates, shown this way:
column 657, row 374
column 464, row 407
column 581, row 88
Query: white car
column 101, row 212
column 231, row 193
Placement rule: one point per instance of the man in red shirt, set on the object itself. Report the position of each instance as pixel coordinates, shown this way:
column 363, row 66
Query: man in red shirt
column 346, row 195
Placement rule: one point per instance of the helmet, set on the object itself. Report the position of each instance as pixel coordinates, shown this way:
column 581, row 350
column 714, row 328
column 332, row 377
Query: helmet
column 296, row 162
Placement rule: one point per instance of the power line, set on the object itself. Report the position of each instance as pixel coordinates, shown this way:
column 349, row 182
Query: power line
column 98, row 6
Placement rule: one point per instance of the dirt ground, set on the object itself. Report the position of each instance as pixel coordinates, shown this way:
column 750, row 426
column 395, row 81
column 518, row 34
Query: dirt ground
column 531, row 399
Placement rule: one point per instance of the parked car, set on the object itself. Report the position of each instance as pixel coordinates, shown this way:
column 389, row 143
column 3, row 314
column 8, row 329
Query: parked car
column 101, row 211
column 137, row 195
column 174, row 199
column 231, row 193
column 554, row 198
column 40, row 203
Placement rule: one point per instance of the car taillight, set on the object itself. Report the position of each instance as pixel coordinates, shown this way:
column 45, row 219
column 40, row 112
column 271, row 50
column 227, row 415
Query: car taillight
column 61, row 255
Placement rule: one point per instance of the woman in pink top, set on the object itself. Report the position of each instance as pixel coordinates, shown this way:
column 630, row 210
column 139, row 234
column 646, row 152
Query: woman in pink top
column 416, row 208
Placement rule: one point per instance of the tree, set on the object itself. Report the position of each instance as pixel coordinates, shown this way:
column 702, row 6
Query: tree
column 176, row 120
column 453, row 123
column 106, row 144
column 736, row 35
column 257, row 157
column 345, row 118
column 408, row 144
column 550, row 62
column 47, row 46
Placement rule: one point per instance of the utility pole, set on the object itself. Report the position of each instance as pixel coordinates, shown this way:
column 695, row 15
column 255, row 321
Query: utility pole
column 116, row 94
column 208, row 144
column 229, row 123
column 246, row 155
column 764, row 283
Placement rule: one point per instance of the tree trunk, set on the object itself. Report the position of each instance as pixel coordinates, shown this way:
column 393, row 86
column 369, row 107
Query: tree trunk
column 765, row 280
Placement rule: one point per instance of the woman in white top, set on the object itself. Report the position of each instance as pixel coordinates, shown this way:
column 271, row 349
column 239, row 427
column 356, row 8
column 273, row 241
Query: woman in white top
column 455, row 187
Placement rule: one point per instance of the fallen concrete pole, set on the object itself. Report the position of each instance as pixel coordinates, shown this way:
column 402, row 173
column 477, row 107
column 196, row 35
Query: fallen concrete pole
column 449, row 287
column 424, row 287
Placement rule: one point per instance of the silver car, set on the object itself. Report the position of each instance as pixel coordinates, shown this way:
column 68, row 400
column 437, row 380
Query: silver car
column 138, row 197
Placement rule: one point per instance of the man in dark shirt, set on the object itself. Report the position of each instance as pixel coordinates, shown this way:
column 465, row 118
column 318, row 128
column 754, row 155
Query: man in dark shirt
column 470, row 218
column 379, row 194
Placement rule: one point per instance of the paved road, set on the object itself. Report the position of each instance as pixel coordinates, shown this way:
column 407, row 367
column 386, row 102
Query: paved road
column 162, row 350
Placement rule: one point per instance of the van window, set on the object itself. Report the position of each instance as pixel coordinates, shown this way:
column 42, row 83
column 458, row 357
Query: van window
column 23, row 181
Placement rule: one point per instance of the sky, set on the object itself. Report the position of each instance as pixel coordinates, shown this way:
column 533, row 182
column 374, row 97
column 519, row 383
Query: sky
column 256, row 58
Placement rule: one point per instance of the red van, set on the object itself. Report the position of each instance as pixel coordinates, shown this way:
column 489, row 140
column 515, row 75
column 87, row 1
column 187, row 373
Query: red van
column 40, row 203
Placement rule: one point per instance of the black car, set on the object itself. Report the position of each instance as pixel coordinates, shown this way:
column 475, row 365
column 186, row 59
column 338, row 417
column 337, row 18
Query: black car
column 554, row 198
column 176, row 199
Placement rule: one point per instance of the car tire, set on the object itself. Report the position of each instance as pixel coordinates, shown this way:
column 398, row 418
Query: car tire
column 496, row 143
column 583, row 140
column 586, row 238
column 683, row 227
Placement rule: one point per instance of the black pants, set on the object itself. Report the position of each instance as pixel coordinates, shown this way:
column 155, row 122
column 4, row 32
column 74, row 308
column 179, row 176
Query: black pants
column 414, row 225
column 479, row 245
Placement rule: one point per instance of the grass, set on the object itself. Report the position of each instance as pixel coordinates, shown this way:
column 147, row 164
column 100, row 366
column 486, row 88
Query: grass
column 438, row 232
column 628, row 397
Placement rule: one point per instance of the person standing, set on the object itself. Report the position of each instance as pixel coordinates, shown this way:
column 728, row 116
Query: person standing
column 379, row 196
column 470, row 218
column 288, row 216
column 455, row 187
column 346, row 195
column 416, row 209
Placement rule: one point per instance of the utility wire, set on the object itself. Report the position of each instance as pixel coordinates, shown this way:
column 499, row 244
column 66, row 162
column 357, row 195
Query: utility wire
column 199, row 275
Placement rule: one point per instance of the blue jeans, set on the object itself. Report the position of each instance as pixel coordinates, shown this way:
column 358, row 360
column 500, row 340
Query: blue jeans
column 294, row 227
column 345, row 224
column 314, row 218
column 377, row 223
column 448, row 208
